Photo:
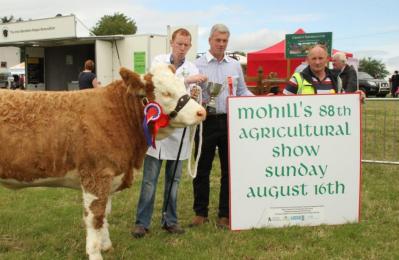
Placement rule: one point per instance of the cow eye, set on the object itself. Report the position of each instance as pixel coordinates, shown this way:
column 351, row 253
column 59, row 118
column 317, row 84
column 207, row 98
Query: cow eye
column 166, row 94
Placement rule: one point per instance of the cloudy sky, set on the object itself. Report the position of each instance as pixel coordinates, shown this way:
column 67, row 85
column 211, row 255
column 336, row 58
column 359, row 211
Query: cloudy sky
column 366, row 28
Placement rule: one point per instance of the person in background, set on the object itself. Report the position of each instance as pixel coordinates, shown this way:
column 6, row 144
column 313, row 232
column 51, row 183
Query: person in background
column 346, row 73
column 316, row 78
column 394, row 84
column 224, row 70
column 87, row 79
column 167, row 149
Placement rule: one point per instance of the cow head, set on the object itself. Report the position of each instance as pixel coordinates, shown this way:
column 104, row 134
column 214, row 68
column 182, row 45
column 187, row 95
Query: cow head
column 164, row 87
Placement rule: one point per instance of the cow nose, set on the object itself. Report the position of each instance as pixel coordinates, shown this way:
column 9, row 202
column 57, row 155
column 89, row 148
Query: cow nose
column 201, row 113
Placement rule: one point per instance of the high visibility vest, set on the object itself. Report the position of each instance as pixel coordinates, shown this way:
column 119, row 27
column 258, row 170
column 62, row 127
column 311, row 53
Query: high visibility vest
column 305, row 87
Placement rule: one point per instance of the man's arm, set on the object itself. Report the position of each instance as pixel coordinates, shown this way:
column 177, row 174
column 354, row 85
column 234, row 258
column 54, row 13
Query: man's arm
column 242, row 89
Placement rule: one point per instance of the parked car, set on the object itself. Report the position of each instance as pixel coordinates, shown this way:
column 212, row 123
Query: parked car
column 371, row 86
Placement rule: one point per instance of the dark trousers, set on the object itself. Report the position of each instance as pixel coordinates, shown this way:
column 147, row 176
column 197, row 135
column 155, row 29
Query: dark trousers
column 214, row 135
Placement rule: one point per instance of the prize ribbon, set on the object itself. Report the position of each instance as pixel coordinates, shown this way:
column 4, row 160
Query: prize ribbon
column 153, row 114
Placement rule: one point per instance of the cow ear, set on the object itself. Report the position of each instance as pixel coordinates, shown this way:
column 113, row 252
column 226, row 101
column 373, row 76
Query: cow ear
column 149, row 85
column 130, row 78
column 172, row 68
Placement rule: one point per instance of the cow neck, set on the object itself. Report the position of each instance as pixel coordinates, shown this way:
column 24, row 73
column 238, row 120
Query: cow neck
column 132, row 113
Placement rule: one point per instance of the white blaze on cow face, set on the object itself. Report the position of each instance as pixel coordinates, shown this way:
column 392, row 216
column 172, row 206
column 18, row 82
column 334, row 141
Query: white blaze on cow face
column 168, row 89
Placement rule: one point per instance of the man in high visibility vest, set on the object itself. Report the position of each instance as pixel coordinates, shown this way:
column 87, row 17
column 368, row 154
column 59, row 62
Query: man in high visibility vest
column 316, row 78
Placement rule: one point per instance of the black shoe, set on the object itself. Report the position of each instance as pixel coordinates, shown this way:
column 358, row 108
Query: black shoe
column 139, row 232
column 174, row 229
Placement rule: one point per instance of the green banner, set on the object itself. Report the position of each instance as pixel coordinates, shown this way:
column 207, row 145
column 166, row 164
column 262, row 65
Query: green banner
column 297, row 45
column 139, row 62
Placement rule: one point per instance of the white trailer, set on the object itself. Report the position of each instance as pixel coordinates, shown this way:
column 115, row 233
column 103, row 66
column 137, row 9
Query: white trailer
column 55, row 50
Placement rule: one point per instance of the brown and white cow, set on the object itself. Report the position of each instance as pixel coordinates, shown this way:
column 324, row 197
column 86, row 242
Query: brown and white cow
column 91, row 140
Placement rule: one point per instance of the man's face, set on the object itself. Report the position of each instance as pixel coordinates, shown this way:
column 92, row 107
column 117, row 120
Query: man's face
column 218, row 43
column 337, row 64
column 317, row 59
column 180, row 46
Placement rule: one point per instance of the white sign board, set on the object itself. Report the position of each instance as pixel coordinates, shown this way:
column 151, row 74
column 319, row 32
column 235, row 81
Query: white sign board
column 294, row 160
column 51, row 28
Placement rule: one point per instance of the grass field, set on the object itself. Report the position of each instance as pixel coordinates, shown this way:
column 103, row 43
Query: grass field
column 45, row 223
column 380, row 124
column 41, row 223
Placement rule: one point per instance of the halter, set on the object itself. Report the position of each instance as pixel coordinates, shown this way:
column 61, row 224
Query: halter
column 183, row 100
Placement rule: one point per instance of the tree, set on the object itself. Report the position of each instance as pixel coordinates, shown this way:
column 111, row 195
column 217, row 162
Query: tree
column 6, row 19
column 115, row 24
column 10, row 19
column 373, row 67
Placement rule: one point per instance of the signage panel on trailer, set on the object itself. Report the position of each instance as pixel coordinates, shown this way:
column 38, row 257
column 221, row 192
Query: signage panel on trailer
column 51, row 28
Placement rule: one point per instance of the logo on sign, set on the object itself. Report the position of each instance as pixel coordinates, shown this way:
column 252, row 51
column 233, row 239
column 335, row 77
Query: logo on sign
column 5, row 32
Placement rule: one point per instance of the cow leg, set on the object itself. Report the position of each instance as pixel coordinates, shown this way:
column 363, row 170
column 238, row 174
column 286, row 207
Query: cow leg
column 106, row 243
column 93, row 234
column 97, row 203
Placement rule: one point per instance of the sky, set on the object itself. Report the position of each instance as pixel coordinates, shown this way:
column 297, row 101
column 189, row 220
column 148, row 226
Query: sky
column 365, row 28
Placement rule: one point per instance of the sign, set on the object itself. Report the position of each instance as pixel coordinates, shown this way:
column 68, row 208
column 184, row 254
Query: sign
column 139, row 62
column 294, row 160
column 51, row 28
column 297, row 45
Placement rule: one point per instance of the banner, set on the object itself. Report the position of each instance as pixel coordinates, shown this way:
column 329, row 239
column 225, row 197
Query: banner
column 297, row 45
column 294, row 160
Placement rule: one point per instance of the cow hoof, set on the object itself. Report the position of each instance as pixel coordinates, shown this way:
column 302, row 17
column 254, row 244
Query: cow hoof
column 95, row 257
column 107, row 247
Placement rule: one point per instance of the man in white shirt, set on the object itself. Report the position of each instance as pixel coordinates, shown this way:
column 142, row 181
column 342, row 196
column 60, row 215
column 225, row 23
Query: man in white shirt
column 167, row 149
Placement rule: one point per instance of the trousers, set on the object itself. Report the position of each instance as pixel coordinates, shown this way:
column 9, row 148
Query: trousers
column 214, row 136
column 145, row 207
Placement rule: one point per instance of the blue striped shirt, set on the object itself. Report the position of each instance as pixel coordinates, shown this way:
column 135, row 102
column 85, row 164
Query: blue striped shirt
column 218, row 72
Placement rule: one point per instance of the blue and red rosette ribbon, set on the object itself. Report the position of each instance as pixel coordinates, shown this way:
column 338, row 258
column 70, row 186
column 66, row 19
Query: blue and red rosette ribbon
column 154, row 116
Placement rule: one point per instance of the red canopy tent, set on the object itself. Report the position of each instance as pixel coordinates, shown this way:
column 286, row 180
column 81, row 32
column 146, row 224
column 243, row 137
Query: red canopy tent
column 272, row 59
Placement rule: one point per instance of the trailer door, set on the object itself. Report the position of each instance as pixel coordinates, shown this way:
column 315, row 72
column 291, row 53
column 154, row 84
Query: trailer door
column 104, row 67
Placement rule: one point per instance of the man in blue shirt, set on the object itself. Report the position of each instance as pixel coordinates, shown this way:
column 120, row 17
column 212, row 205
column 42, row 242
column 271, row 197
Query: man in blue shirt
column 221, row 69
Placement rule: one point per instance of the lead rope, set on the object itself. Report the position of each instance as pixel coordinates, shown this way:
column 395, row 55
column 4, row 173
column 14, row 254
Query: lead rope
column 193, row 129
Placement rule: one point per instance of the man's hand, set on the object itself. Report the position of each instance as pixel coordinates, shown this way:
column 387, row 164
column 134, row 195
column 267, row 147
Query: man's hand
column 195, row 92
column 362, row 95
column 196, row 79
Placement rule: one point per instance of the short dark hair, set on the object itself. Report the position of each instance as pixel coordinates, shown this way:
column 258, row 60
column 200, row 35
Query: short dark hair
column 89, row 65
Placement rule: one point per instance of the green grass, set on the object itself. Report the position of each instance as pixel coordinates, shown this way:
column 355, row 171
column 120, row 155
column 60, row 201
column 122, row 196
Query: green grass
column 380, row 125
column 44, row 223
column 41, row 223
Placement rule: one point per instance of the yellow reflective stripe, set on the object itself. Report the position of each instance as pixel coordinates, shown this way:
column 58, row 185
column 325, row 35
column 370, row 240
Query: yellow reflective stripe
column 304, row 87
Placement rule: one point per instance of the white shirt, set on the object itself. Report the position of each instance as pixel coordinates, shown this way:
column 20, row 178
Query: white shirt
column 167, row 149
